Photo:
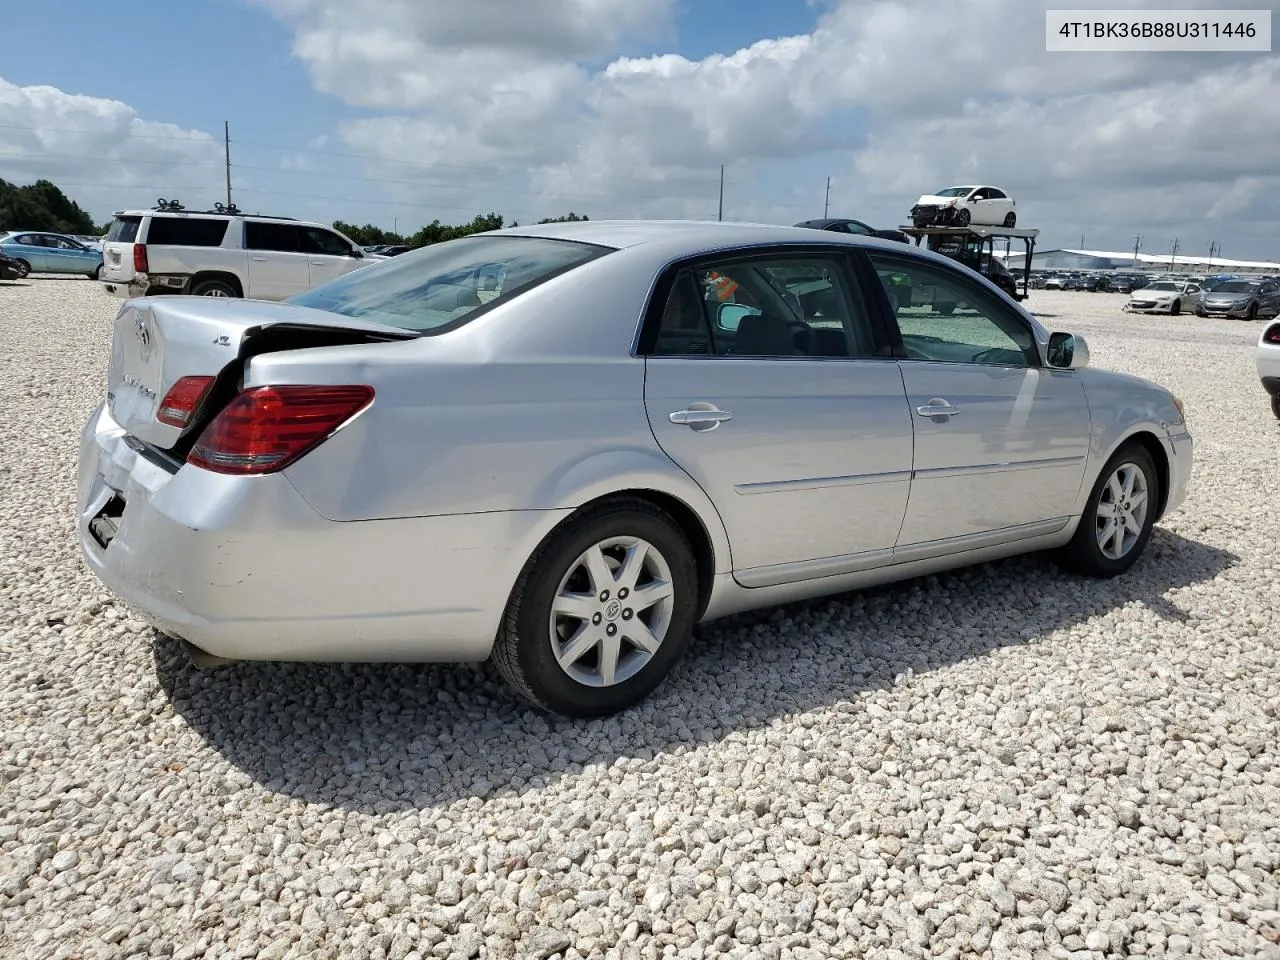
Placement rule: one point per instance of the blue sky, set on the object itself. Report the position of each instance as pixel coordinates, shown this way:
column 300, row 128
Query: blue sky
column 627, row 108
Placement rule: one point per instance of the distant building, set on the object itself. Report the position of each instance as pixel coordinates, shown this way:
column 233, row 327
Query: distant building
column 1146, row 262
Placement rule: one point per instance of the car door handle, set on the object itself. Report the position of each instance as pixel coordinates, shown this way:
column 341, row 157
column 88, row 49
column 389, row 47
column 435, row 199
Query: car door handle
column 937, row 407
column 260, row 259
column 700, row 419
column 317, row 263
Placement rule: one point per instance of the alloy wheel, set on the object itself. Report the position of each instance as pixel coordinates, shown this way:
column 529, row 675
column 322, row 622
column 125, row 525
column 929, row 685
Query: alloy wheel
column 1122, row 511
column 611, row 611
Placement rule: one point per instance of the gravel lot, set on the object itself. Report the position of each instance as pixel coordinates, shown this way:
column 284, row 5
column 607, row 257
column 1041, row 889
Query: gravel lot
column 1003, row 762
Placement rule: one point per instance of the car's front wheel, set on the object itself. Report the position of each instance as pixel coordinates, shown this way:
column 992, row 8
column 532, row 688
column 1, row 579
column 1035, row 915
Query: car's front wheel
column 1119, row 516
column 1176, row 308
column 1253, row 312
column 601, row 612
column 962, row 218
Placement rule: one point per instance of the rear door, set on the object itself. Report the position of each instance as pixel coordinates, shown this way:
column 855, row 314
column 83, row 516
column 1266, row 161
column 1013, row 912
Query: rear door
column 767, row 382
column 32, row 248
column 279, row 264
column 117, row 249
column 1000, row 439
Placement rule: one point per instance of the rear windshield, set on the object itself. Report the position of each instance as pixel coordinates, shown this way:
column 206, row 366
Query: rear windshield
column 123, row 230
column 441, row 286
column 187, row 231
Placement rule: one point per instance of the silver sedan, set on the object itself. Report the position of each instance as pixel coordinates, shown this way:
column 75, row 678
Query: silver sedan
column 562, row 446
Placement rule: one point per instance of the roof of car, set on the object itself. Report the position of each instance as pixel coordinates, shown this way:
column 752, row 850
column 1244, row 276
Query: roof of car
column 692, row 233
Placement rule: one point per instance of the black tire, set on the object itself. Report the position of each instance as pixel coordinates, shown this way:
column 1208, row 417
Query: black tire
column 1275, row 405
column 1253, row 312
column 946, row 309
column 97, row 272
column 24, row 269
column 213, row 288
column 1083, row 555
column 1009, row 220
column 962, row 218
column 1176, row 308
column 523, row 650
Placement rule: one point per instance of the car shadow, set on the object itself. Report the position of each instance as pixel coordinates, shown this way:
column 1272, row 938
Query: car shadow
column 384, row 738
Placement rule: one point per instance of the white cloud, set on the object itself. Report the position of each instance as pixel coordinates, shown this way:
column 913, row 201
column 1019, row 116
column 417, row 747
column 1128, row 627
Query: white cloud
column 100, row 151
column 518, row 111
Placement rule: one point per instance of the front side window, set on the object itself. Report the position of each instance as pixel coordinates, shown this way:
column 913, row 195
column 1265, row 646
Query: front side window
column 438, row 287
column 789, row 306
column 943, row 317
column 325, row 242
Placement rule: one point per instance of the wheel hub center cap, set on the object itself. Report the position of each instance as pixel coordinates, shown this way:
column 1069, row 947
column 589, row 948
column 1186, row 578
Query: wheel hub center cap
column 612, row 609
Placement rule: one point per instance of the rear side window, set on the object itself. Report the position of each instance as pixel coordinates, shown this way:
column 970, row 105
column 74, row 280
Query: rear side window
column 280, row 237
column 187, row 231
column 123, row 230
column 441, row 286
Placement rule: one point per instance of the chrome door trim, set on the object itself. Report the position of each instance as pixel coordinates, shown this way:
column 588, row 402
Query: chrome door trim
column 817, row 483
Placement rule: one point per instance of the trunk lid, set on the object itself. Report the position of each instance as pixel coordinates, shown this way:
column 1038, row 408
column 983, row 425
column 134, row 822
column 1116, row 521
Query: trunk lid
column 117, row 248
column 159, row 340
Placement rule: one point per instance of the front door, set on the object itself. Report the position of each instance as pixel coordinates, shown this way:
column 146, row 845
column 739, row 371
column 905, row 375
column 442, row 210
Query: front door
column 329, row 255
column 1001, row 439
column 767, row 385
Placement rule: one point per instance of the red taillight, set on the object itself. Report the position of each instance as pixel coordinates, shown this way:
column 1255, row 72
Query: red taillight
column 183, row 399
column 1273, row 334
column 266, row 428
column 140, row 264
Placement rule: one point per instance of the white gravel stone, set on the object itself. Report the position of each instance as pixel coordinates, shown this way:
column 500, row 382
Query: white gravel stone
column 1003, row 761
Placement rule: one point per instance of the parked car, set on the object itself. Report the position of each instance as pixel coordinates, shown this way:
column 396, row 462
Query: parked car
column 965, row 206
column 387, row 468
column 846, row 225
column 1268, row 361
column 217, row 254
column 1055, row 283
column 10, row 269
column 1241, row 299
column 1163, row 296
column 38, row 251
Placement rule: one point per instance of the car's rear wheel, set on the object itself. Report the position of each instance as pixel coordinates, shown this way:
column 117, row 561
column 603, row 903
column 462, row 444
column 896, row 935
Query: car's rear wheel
column 24, row 268
column 601, row 612
column 1275, row 405
column 1119, row 516
column 213, row 288
column 97, row 272
column 1009, row 220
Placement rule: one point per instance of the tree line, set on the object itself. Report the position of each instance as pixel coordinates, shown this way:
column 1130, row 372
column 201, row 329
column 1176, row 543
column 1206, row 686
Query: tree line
column 435, row 231
column 43, row 206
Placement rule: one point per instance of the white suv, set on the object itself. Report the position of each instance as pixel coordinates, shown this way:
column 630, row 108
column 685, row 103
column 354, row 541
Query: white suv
column 222, row 253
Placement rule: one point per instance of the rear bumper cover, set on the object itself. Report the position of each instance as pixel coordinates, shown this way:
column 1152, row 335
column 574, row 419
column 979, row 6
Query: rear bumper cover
column 244, row 568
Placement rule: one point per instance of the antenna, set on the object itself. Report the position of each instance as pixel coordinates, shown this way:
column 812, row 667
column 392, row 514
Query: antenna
column 826, row 204
column 226, row 146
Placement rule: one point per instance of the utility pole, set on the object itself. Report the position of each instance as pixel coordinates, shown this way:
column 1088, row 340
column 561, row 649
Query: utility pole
column 720, row 215
column 226, row 145
column 826, row 204
column 1173, row 254
column 1137, row 245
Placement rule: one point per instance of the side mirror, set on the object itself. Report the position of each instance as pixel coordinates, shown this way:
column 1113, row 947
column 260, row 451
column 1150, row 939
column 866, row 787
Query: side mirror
column 1068, row 351
column 357, row 253
column 729, row 315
